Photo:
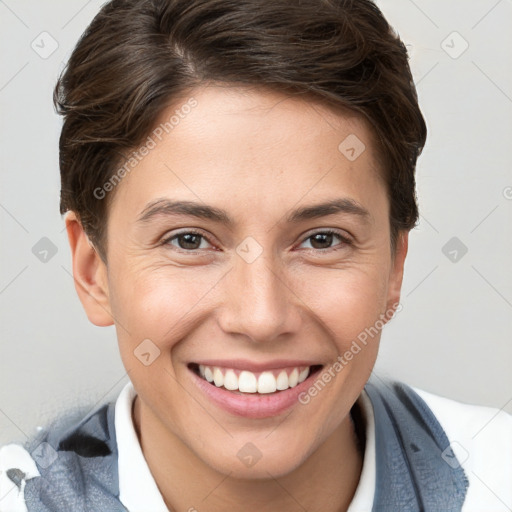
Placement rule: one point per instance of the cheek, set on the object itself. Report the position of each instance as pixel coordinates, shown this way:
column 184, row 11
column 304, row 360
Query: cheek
column 347, row 301
column 158, row 303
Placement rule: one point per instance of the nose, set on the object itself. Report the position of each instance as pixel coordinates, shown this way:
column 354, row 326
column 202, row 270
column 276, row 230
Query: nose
column 258, row 301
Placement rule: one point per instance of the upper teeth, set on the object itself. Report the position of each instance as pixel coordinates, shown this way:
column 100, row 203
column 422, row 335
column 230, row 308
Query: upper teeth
column 249, row 382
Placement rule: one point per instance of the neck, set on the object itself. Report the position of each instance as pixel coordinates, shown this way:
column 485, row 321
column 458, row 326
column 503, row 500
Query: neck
column 326, row 481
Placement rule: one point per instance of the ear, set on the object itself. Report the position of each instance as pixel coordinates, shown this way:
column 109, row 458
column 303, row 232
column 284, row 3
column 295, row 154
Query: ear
column 89, row 273
column 397, row 270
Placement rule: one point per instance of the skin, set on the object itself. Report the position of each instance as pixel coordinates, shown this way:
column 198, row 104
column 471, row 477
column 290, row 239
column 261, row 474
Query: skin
column 258, row 155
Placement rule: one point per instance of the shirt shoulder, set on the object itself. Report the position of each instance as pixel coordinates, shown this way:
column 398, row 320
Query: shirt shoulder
column 69, row 465
column 16, row 467
column 481, row 439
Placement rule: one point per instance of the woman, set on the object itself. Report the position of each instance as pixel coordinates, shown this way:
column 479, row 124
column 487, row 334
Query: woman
column 238, row 178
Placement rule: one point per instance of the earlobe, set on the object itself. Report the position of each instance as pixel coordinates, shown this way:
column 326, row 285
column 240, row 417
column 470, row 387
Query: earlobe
column 397, row 270
column 89, row 273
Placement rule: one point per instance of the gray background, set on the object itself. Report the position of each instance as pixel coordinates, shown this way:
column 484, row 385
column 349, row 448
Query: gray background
column 453, row 335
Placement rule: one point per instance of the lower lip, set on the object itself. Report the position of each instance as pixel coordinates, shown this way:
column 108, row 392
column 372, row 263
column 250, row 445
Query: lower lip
column 253, row 405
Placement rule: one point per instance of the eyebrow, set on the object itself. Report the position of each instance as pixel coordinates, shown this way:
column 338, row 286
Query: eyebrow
column 166, row 207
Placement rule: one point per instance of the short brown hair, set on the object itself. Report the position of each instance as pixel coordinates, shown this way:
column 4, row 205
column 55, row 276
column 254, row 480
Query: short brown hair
column 138, row 56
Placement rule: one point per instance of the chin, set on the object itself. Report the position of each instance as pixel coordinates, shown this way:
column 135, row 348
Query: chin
column 259, row 458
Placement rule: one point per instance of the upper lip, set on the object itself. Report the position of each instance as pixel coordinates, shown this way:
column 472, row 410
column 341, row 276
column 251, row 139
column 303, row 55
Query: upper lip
column 251, row 366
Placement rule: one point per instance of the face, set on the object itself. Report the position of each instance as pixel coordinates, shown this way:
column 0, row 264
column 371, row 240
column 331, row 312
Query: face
column 250, row 248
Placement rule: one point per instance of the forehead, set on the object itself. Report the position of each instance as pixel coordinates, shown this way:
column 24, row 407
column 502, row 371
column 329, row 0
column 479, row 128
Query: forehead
column 245, row 146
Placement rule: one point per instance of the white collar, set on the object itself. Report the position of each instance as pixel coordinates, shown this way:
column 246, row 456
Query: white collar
column 363, row 497
column 138, row 491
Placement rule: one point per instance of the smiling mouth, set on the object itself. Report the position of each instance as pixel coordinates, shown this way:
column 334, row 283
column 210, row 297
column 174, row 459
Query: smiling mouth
column 246, row 382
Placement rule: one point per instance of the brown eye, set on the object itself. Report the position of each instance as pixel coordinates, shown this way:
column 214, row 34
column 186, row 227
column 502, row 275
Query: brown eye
column 189, row 241
column 186, row 241
column 323, row 240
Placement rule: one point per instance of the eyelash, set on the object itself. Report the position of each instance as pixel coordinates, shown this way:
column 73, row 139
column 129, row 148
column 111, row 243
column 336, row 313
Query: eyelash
column 345, row 241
